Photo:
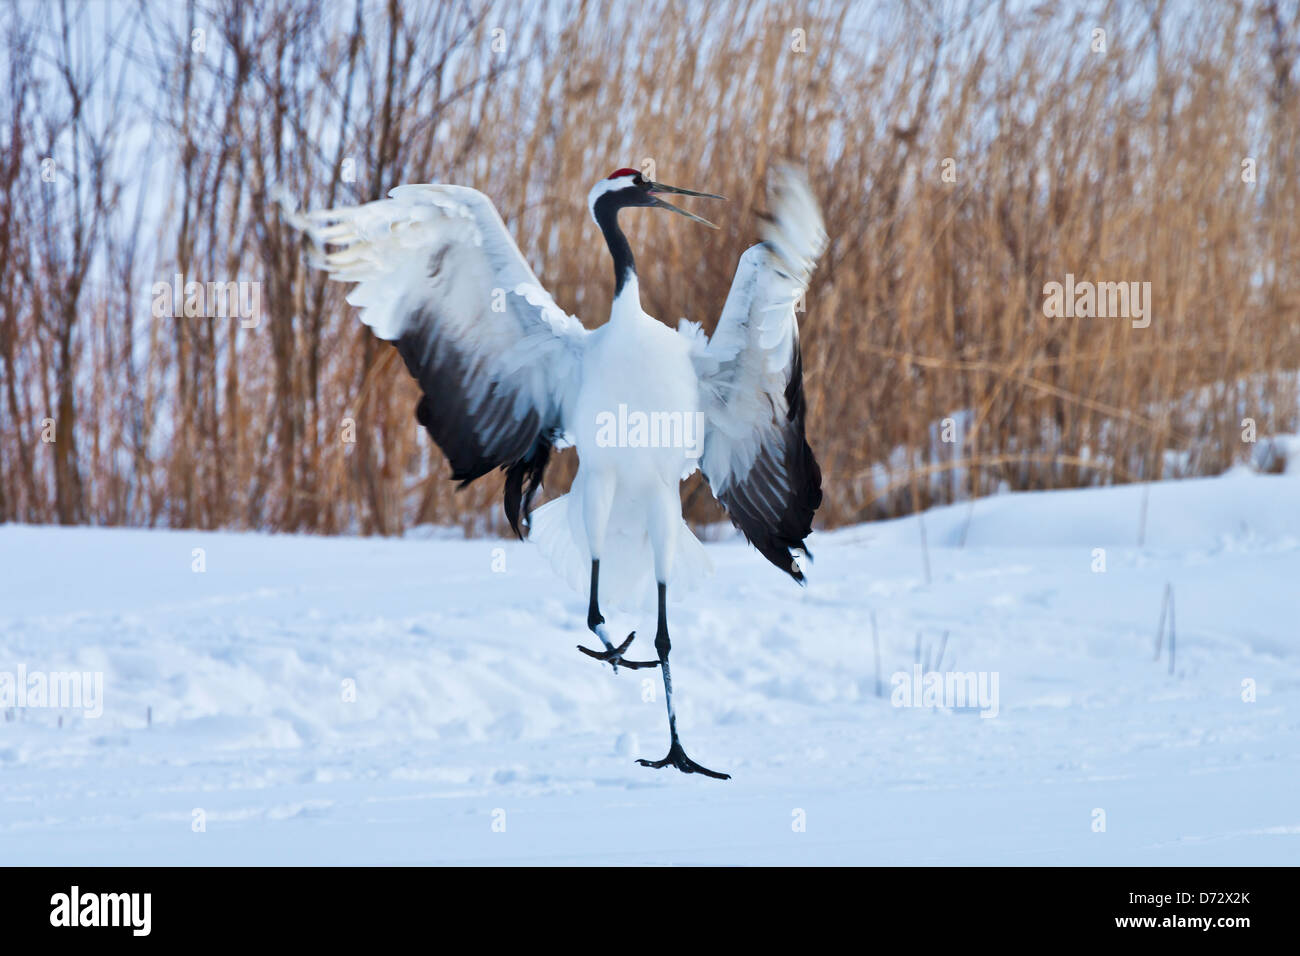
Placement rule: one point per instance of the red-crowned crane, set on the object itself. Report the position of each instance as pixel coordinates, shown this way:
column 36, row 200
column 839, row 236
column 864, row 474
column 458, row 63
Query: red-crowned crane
column 506, row 376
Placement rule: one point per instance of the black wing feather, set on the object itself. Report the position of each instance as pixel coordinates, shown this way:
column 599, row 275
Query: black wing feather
column 749, row 501
column 519, row 447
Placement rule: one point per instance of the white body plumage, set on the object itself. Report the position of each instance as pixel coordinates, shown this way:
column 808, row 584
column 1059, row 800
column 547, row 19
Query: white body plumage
column 625, row 506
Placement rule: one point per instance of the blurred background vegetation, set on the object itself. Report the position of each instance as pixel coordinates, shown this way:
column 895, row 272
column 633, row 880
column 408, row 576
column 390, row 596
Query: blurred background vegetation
column 144, row 138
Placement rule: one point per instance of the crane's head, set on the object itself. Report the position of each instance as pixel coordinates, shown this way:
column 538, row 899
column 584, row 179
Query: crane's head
column 627, row 187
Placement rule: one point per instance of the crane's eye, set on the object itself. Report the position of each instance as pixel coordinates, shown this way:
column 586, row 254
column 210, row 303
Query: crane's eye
column 637, row 180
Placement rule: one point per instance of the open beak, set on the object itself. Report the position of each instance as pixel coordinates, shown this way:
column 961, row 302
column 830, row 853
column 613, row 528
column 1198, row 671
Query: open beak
column 656, row 188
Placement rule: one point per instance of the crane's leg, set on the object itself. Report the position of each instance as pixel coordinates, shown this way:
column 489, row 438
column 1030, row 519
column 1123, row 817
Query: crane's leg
column 596, row 489
column 596, row 623
column 676, row 754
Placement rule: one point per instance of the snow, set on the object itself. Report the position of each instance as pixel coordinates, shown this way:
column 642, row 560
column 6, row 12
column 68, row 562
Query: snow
column 478, row 734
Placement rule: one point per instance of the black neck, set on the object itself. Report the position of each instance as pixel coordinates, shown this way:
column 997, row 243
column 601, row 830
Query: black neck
column 607, row 208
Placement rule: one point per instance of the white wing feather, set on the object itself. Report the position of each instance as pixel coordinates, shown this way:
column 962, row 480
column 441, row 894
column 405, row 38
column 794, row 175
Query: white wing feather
column 756, row 457
column 438, row 275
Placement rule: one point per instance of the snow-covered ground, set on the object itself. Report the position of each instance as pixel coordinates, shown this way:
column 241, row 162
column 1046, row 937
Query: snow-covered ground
column 479, row 734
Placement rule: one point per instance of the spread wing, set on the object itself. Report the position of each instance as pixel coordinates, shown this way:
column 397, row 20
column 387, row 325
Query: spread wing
column 497, row 361
column 756, row 458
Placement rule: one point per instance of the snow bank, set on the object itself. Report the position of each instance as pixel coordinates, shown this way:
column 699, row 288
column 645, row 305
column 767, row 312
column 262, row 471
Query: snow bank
column 395, row 701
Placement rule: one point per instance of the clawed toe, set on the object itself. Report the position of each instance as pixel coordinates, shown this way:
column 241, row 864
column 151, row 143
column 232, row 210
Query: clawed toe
column 614, row 656
column 677, row 758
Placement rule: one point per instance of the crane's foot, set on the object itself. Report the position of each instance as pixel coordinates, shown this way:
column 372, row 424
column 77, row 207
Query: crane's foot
column 614, row 656
column 677, row 758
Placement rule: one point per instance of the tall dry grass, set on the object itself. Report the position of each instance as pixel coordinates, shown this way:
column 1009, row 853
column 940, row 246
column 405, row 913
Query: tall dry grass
column 1117, row 165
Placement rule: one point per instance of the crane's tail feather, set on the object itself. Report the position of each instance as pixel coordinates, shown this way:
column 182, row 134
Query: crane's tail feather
column 626, row 567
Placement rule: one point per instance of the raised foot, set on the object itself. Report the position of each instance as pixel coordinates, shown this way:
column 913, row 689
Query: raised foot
column 614, row 655
column 677, row 758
